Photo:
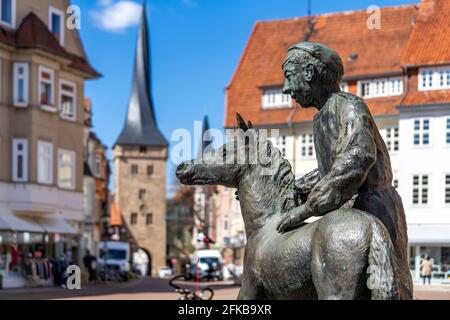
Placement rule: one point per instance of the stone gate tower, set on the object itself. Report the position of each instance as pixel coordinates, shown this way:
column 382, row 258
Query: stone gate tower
column 139, row 156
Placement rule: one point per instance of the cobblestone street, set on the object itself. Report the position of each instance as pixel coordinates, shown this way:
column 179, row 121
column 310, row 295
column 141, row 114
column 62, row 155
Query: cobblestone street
column 159, row 289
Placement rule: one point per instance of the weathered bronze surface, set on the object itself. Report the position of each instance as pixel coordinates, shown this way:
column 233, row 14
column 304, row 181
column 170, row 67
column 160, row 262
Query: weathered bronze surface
column 358, row 249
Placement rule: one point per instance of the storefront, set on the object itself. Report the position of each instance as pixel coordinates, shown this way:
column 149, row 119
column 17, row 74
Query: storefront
column 432, row 240
column 31, row 247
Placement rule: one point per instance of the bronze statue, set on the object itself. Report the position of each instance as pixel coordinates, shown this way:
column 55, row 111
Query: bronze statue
column 351, row 154
column 349, row 253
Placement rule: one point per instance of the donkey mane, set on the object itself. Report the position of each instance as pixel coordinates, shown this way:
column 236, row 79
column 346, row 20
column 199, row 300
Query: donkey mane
column 283, row 179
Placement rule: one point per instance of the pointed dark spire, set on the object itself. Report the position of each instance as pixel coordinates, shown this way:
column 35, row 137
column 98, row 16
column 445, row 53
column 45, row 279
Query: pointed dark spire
column 205, row 140
column 140, row 126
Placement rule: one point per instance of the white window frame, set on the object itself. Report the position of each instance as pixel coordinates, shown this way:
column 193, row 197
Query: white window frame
column 306, row 142
column 447, row 131
column 430, row 78
column 26, row 78
column 74, row 161
column 280, row 143
column 50, row 107
column 42, row 177
column 421, row 132
column 15, row 154
column 420, row 188
column 13, row 15
column 381, row 87
column 73, row 95
column 274, row 98
column 390, row 139
column 51, row 11
column 446, row 187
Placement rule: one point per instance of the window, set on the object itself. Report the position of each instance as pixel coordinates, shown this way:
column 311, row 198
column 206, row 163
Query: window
column 66, row 169
column 421, row 132
column 280, row 143
column 395, row 183
column 434, row 78
column 149, row 219
column 20, row 84
column 8, row 13
column 20, row 160
column 134, row 169
column 447, row 188
column 391, row 137
column 45, row 162
column 420, row 189
column 98, row 165
column 46, row 88
column 56, row 24
column 142, row 149
column 447, row 139
column 344, row 86
column 307, row 146
column 67, row 99
column 380, row 87
column 133, row 218
column 142, row 194
column 150, row 171
column 275, row 98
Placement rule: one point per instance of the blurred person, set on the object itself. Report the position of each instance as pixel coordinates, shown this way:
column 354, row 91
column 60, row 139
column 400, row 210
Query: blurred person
column 427, row 266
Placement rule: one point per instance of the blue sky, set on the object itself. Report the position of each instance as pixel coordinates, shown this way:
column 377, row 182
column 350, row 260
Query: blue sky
column 196, row 46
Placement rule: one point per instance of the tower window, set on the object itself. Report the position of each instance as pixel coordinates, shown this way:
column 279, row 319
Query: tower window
column 142, row 194
column 149, row 218
column 134, row 169
column 133, row 218
column 150, row 170
column 142, row 149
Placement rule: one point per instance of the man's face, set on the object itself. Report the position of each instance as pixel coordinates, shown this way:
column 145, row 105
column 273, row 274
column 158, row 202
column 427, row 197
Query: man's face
column 297, row 84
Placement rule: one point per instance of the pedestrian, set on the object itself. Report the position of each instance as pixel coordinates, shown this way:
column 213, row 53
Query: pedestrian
column 90, row 263
column 61, row 269
column 427, row 266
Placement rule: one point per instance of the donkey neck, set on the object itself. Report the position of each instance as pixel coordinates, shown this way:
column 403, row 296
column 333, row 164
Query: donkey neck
column 262, row 200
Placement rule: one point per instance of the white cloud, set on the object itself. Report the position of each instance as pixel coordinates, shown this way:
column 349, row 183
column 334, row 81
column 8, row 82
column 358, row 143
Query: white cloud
column 117, row 16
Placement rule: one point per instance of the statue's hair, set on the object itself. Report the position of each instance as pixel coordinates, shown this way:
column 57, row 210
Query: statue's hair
column 325, row 74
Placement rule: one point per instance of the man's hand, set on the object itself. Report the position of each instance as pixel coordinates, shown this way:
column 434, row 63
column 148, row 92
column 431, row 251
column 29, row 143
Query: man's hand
column 294, row 218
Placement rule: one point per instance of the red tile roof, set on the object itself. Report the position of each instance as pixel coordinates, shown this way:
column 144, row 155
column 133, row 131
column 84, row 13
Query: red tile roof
column 34, row 34
column 429, row 43
column 418, row 98
column 379, row 52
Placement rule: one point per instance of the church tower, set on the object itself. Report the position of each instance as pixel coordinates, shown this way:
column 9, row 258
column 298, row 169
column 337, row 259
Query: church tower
column 139, row 157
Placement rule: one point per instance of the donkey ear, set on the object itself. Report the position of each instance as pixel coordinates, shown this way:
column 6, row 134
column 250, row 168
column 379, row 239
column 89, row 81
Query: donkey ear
column 250, row 125
column 241, row 122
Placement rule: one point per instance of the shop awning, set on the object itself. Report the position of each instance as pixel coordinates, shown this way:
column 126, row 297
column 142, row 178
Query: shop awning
column 56, row 225
column 10, row 222
column 429, row 234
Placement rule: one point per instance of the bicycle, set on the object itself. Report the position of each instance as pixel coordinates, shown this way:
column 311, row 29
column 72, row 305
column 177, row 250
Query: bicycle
column 187, row 294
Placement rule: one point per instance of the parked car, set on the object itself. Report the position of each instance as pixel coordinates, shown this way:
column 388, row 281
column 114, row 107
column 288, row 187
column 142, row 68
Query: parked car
column 113, row 260
column 165, row 272
column 209, row 263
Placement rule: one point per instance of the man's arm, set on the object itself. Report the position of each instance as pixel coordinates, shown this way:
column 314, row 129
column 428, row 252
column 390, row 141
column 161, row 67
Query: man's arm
column 304, row 185
column 355, row 155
